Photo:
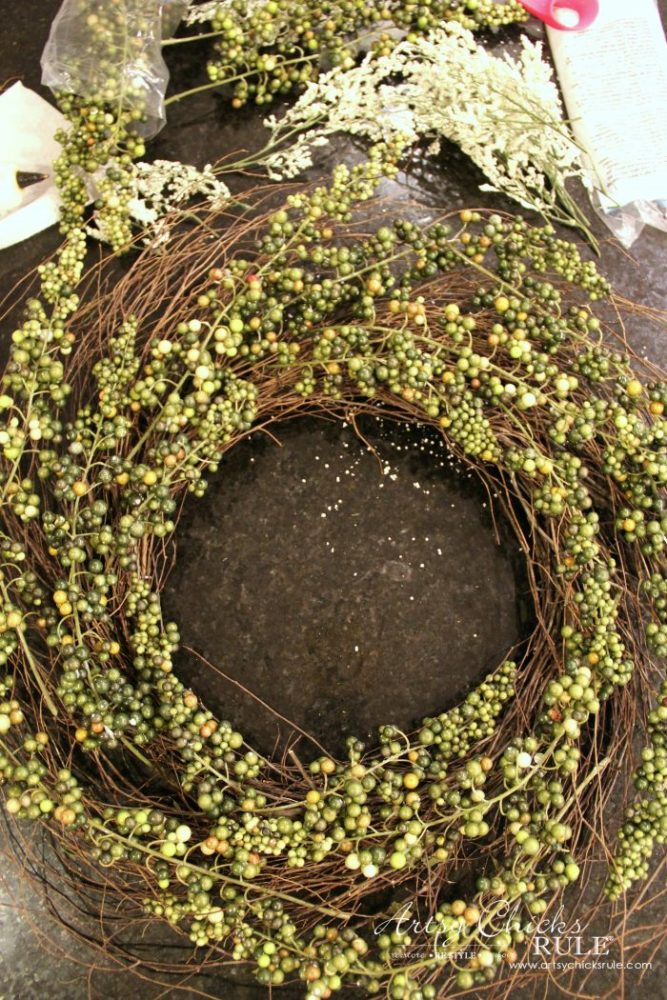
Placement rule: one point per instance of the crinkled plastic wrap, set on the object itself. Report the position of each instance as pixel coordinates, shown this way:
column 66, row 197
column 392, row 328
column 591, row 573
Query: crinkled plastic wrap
column 111, row 51
column 627, row 223
column 173, row 12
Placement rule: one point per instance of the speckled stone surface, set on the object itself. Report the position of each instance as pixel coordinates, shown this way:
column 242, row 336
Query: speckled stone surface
column 350, row 596
column 342, row 586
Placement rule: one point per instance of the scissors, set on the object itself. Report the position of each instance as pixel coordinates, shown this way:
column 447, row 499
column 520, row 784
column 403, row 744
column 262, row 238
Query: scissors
column 565, row 15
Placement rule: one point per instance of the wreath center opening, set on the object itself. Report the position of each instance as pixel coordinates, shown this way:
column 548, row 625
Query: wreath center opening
column 346, row 582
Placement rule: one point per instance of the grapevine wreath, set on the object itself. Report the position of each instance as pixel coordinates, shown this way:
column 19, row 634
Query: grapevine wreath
column 121, row 396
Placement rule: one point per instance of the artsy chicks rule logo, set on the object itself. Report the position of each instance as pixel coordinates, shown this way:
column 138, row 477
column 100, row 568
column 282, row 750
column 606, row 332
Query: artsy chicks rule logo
column 555, row 942
column 558, row 944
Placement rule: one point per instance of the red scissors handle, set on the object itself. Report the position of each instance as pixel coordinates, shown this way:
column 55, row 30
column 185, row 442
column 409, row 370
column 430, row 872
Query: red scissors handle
column 566, row 15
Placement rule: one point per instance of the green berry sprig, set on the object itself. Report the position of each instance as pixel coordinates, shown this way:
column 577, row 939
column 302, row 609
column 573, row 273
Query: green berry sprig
column 274, row 47
column 645, row 822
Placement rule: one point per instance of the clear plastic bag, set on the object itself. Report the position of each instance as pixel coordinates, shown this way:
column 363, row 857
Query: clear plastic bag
column 111, row 51
column 173, row 12
column 627, row 222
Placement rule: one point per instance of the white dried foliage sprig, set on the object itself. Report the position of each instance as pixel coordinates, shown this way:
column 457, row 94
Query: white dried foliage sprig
column 200, row 13
column 504, row 113
column 203, row 13
column 163, row 186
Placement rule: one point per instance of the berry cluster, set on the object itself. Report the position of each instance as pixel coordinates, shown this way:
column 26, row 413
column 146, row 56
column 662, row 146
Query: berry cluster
column 271, row 48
